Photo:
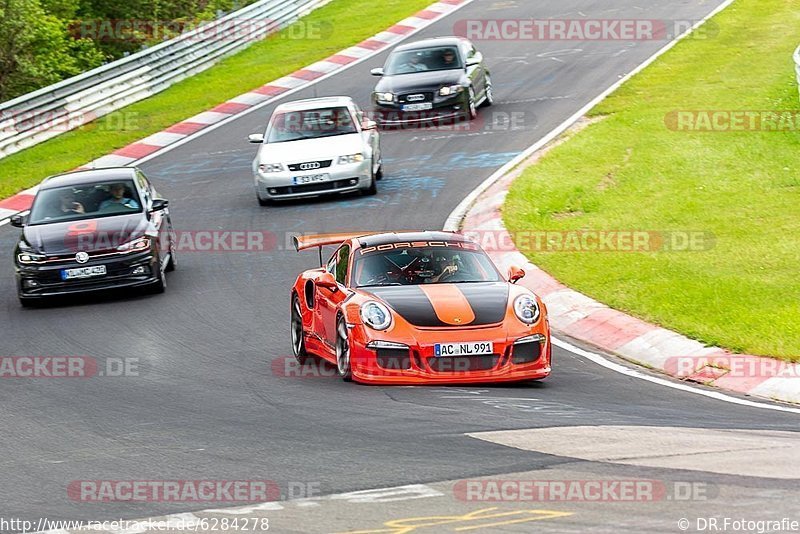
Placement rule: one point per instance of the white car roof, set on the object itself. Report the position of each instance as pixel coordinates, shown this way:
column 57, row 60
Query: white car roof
column 315, row 103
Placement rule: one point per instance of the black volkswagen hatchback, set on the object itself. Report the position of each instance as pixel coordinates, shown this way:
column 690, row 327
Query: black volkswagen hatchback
column 92, row 230
column 432, row 80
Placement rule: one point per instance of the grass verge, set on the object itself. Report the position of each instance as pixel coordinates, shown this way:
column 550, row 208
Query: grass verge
column 345, row 23
column 640, row 169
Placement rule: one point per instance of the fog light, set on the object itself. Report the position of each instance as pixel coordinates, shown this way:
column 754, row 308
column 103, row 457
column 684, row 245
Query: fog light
column 353, row 181
column 139, row 270
column 30, row 283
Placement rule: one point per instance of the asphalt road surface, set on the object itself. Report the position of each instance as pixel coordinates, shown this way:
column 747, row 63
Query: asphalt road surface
column 207, row 399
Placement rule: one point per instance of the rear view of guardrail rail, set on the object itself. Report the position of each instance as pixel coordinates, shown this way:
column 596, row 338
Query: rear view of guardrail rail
column 797, row 68
column 50, row 111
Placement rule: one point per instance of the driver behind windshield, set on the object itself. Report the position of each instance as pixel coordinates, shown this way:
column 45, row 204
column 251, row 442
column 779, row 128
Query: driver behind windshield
column 118, row 198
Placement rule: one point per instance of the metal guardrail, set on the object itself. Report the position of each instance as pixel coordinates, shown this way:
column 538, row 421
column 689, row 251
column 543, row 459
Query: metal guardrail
column 50, row 111
column 797, row 68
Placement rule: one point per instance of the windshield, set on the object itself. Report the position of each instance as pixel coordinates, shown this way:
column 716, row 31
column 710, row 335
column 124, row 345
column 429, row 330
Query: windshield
column 310, row 124
column 423, row 60
column 89, row 201
column 437, row 262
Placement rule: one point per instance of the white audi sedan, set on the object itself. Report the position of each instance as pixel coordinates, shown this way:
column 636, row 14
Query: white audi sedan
column 314, row 147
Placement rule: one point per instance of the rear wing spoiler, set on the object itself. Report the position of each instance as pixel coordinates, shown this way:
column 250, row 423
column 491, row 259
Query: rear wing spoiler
column 303, row 242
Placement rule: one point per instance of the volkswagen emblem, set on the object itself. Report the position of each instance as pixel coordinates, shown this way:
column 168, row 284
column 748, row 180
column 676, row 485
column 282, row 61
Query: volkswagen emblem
column 82, row 257
column 310, row 165
column 415, row 98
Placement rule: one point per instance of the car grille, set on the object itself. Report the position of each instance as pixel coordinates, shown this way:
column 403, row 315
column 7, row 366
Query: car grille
column 311, row 188
column 394, row 359
column 426, row 97
column 311, row 165
column 526, row 353
column 462, row 364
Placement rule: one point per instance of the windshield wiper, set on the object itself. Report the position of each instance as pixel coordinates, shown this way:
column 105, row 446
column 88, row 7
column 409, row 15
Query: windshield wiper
column 382, row 285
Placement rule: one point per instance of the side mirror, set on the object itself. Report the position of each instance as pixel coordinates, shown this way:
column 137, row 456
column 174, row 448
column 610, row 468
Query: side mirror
column 256, row 138
column 515, row 274
column 159, row 204
column 369, row 124
column 378, row 71
column 327, row 281
column 17, row 221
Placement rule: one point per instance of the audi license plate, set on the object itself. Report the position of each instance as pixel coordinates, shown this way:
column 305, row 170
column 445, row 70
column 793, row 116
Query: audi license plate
column 418, row 107
column 83, row 272
column 311, row 178
column 472, row 348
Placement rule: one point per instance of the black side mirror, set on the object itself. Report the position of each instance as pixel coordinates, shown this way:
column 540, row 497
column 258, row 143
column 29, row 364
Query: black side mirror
column 17, row 221
column 159, row 204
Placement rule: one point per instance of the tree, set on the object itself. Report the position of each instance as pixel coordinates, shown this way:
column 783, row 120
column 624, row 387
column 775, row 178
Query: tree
column 37, row 50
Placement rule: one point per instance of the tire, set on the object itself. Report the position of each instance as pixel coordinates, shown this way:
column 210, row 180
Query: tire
column 373, row 187
column 160, row 285
column 343, row 351
column 298, row 337
column 472, row 109
column 263, row 202
column 173, row 263
column 379, row 174
column 489, row 98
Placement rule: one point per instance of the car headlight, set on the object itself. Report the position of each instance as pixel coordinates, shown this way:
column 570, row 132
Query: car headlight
column 142, row 243
column 29, row 258
column 376, row 315
column 270, row 167
column 352, row 158
column 449, row 90
column 385, row 97
column 526, row 308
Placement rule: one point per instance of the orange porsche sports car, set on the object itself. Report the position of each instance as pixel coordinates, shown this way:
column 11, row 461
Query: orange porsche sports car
column 417, row 307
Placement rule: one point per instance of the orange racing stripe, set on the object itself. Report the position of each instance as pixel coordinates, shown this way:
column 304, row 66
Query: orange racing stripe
column 449, row 303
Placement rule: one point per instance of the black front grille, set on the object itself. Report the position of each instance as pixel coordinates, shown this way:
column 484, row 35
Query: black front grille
column 415, row 98
column 311, row 165
column 526, row 353
column 394, row 359
column 311, row 188
column 462, row 364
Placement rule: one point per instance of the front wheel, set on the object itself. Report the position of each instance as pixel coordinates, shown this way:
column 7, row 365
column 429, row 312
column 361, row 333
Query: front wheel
column 343, row 351
column 373, row 186
column 472, row 108
column 298, row 337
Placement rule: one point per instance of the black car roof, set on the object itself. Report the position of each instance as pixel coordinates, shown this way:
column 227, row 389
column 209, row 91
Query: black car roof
column 402, row 237
column 88, row 176
column 429, row 43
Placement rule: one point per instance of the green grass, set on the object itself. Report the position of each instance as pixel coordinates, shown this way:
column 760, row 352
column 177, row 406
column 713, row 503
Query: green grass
column 343, row 22
column 629, row 171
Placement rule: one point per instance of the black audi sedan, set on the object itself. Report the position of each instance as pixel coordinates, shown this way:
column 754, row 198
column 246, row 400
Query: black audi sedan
column 432, row 80
column 92, row 230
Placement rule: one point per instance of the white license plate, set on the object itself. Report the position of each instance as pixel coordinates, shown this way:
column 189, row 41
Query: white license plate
column 310, row 179
column 471, row 348
column 418, row 107
column 83, row 272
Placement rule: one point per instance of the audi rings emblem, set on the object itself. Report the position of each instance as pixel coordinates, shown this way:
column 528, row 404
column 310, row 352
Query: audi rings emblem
column 415, row 98
column 310, row 165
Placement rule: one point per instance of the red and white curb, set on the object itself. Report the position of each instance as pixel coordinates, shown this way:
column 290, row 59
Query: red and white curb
column 582, row 318
column 180, row 132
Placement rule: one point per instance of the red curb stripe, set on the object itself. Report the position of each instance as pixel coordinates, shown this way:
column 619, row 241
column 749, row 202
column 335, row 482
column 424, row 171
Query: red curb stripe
column 372, row 44
column 427, row 14
column 231, row 108
column 451, row 2
column 540, row 282
column 307, row 74
column 19, row 202
column 186, row 128
column 341, row 59
column 609, row 329
column 270, row 90
column 136, row 150
column 400, row 29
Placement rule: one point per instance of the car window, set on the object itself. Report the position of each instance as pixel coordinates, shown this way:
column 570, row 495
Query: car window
column 310, row 124
column 85, row 201
column 342, row 262
column 331, row 266
column 423, row 60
